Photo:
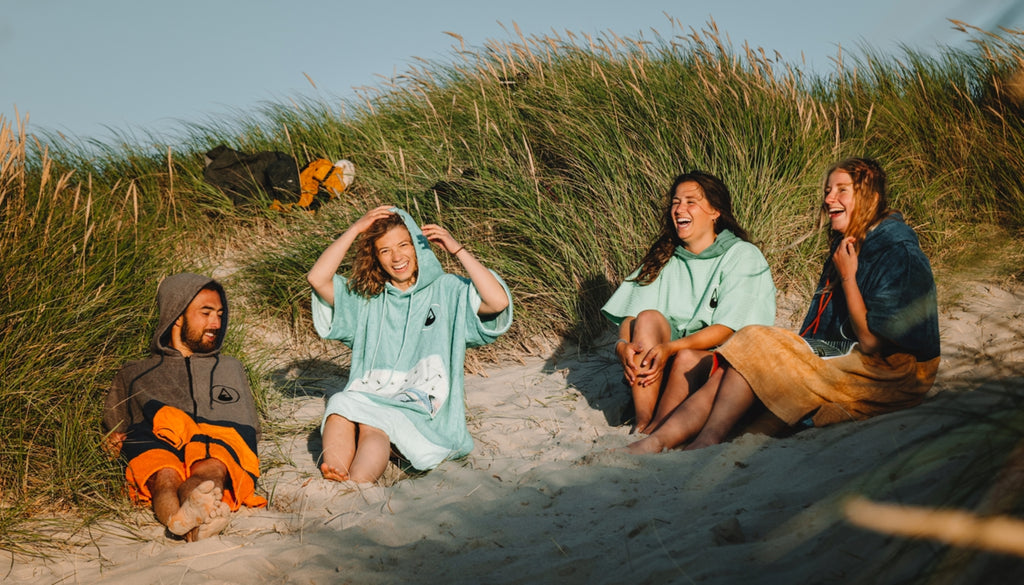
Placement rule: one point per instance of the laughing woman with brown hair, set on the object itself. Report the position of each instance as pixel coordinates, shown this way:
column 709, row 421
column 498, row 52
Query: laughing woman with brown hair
column 700, row 280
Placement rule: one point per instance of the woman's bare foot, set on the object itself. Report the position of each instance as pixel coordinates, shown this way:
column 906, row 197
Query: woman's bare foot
column 197, row 507
column 333, row 473
column 649, row 444
column 701, row 442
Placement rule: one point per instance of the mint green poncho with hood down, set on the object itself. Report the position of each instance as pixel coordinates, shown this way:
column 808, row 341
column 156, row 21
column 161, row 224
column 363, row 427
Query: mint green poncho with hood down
column 729, row 283
column 408, row 350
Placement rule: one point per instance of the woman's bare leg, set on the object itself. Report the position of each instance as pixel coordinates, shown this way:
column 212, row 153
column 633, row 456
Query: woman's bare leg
column 690, row 369
column 684, row 422
column 735, row 397
column 372, row 451
column 339, row 448
column 648, row 329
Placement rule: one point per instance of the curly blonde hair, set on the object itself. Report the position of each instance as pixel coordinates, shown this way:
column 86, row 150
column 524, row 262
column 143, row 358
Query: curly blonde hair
column 368, row 276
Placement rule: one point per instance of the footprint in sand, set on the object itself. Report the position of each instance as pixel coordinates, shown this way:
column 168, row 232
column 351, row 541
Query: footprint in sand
column 202, row 503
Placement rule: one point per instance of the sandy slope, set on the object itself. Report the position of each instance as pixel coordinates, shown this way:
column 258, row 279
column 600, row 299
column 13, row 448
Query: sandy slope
column 541, row 499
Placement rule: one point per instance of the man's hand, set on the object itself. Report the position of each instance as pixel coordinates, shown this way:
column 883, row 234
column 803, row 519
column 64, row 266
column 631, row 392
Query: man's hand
column 113, row 443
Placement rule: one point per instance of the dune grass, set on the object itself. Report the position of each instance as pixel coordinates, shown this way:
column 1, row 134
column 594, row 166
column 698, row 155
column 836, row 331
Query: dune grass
column 548, row 156
column 78, row 260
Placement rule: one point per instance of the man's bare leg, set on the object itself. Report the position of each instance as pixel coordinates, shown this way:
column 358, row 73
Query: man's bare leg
column 163, row 489
column 215, row 514
column 339, row 448
column 182, row 506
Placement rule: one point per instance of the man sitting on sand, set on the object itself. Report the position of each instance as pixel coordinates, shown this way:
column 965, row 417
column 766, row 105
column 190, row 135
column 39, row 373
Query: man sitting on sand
column 184, row 419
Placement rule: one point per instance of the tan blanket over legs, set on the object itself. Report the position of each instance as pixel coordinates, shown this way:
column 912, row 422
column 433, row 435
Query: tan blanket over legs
column 793, row 382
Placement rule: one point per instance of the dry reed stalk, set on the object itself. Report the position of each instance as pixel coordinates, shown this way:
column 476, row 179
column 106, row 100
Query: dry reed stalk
column 964, row 529
column 88, row 228
column 553, row 45
column 133, row 192
column 980, row 529
column 12, row 159
column 533, row 170
column 43, row 180
column 752, row 59
column 170, row 184
column 62, row 184
column 74, row 204
column 526, row 48
column 1001, row 497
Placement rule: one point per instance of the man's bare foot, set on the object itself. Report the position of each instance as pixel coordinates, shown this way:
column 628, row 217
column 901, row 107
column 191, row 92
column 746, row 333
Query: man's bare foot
column 649, row 444
column 197, row 507
column 333, row 473
column 218, row 520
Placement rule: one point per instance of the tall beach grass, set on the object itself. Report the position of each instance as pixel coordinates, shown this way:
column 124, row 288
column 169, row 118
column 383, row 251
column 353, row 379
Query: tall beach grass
column 78, row 260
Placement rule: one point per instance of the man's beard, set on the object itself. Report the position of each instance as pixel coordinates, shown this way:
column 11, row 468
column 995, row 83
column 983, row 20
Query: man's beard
column 193, row 339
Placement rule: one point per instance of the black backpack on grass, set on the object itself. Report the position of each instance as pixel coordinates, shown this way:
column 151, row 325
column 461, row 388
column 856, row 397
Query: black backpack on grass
column 242, row 176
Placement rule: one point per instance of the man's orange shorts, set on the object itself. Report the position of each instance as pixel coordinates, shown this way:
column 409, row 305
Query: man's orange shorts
column 176, row 442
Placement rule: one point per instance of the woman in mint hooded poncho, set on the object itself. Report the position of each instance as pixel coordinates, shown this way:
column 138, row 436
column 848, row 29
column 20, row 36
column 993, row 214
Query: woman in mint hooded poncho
column 700, row 280
column 408, row 323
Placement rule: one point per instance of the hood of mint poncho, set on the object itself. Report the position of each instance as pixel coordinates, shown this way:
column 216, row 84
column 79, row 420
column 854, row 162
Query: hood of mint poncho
column 408, row 352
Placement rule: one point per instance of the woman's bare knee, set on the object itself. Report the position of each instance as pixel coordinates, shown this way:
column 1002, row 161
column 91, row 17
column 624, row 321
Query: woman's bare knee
column 651, row 323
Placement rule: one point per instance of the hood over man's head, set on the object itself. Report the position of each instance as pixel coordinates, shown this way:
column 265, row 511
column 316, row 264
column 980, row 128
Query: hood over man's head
column 202, row 327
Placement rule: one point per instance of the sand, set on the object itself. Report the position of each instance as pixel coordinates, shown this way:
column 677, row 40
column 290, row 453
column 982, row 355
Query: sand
column 541, row 499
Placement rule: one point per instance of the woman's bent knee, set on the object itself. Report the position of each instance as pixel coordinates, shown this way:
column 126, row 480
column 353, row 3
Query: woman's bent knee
column 651, row 321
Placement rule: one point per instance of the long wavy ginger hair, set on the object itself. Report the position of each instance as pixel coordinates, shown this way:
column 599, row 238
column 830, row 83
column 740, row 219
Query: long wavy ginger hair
column 871, row 205
column 870, row 196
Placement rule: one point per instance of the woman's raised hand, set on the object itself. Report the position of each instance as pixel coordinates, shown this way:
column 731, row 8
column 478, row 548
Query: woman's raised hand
column 440, row 236
column 845, row 258
column 363, row 223
column 321, row 275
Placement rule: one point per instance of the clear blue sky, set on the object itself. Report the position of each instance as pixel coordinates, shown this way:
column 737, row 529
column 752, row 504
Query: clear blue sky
column 82, row 66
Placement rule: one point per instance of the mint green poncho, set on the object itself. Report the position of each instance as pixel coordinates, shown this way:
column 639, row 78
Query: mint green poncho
column 408, row 350
column 729, row 283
